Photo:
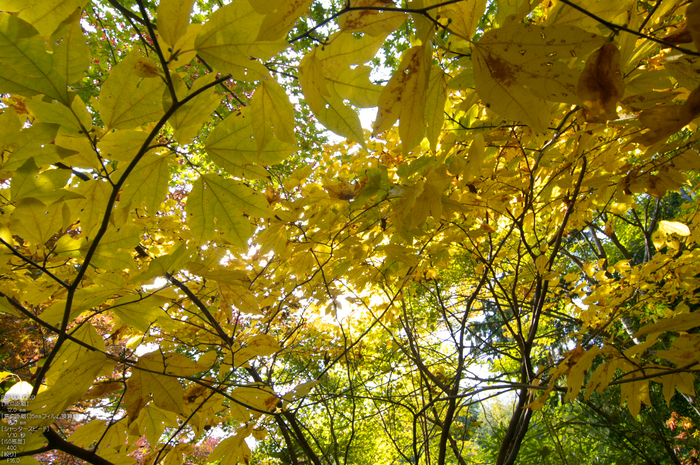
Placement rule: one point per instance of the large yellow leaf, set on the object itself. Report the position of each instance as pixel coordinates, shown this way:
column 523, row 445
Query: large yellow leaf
column 173, row 18
column 517, row 67
column 404, row 97
column 326, row 104
column 228, row 41
column 615, row 12
column 148, row 184
column 71, row 56
column 138, row 314
column 71, row 385
column 188, row 119
column 91, row 208
column 46, row 15
column 682, row 322
column 684, row 382
column 674, row 227
column 233, row 450
column 218, row 204
column 435, row 105
column 463, row 17
column 345, row 50
column 260, row 345
column 272, row 114
column 35, row 222
column 635, row 393
column 280, row 20
column 127, row 100
column 75, row 120
column 372, row 21
column 170, row 363
column 231, row 144
column 27, row 69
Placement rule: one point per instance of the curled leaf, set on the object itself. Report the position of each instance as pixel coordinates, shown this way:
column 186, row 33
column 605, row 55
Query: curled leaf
column 674, row 227
column 600, row 86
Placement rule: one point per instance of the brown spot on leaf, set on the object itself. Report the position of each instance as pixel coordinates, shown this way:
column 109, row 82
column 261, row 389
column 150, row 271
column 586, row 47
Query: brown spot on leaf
column 501, row 70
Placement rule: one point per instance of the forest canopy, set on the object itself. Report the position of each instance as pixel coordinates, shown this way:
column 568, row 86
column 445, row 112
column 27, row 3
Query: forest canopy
column 349, row 232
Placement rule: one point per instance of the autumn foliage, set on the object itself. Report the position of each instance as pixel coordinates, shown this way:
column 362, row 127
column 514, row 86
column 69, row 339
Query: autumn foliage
column 204, row 245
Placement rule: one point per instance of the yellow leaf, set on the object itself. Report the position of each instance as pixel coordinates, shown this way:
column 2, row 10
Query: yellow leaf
column 278, row 22
column 188, row 119
column 27, row 69
column 74, row 120
column 684, row 382
column 272, row 114
column 519, row 66
column 127, row 100
column 435, row 105
column 146, row 68
column 88, row 433
column 152, row 421
column 173, row 18
column 233, row 450
column 616, row 12
column 260, row 345
column 301, row 390
column 326, row 104
column 47, row 15
column 635, row 393
column 72, row 383
column 35, row 222
column 404, row 98
column 463, row 17
column 371, row 21
column 682, row 322
column 499, row 89
column 148, row 185
column 231, row 145
column 674, row 227
column 91, row 207
column 170, row 363
column 218, row 204
column 183, row 51
column 228, row 41
column 354, row 85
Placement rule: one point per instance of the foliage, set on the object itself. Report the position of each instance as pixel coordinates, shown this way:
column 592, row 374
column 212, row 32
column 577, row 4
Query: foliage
column 191, row 264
